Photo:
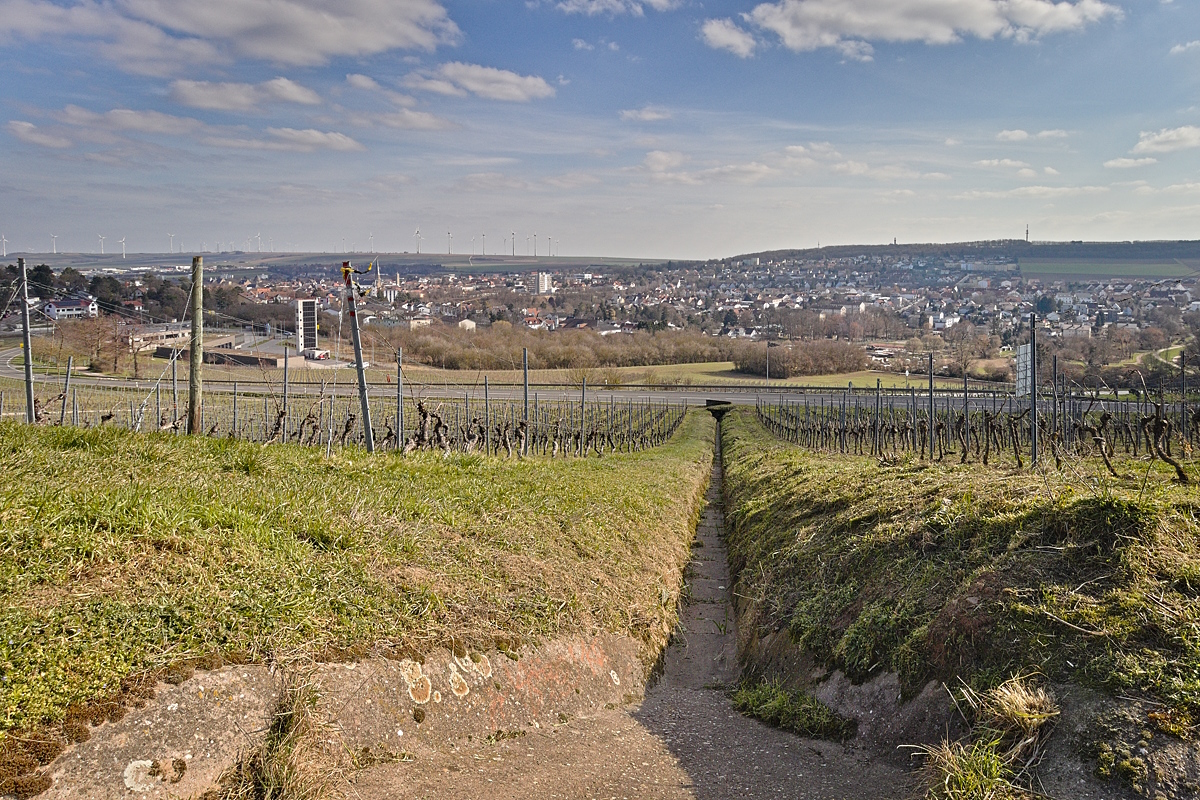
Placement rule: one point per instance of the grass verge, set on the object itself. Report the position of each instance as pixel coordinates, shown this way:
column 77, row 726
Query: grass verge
column 127, row 555
column 956, row 571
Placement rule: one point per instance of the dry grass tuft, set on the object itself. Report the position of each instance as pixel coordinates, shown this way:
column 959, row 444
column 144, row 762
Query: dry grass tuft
column 293, row 761
column 976, row 771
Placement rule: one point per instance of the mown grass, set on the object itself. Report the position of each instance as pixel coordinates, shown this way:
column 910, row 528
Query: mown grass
column 124, row 553
column 952, row 571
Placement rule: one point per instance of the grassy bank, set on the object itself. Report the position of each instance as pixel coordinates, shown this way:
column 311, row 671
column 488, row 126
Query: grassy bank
column 122, row 553
column 952, row 571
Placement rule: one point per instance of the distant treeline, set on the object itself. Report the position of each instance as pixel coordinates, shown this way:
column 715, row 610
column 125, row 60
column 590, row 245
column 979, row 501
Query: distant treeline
column 499, row 346
column 818, row 357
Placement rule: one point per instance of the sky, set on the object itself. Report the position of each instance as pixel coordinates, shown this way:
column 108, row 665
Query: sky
column 634, row 128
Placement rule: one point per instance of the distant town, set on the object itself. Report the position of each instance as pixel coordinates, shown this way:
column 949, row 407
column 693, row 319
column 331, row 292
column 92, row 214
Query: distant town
column 970, row 308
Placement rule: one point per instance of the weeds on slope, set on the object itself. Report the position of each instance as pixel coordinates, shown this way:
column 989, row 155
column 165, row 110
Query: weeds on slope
column 946, row 572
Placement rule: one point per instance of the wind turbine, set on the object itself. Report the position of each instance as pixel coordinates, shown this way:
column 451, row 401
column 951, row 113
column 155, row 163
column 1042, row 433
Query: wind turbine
column 172, row 241
column 259, row 237
column 343, row 245
column 101, row 244
column 122, row 247
column 484, row 243
column 514, row 241
column 54, row 243
column 370, row 243
column 472, row 245
column 417, row 236
column 535, row 245
column 3, row 246
column 449, row 243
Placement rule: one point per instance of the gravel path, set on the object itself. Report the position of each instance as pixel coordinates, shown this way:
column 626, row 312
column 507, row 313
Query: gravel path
column 683, row 741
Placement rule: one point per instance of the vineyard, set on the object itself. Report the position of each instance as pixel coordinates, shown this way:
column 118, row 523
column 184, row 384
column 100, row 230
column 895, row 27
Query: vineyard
column 990, row 428
column 404, row 417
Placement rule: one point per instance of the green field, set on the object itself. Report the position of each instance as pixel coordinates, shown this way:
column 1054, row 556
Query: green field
column 1107, row 268
column 124, row 554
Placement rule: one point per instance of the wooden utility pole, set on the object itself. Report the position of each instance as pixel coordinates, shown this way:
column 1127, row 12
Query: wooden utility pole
column 26, row 342
column 399, row 398
column 196, row 346
column 368, row 433
column 525, row 416
column 1033, row 390
column 932, row 410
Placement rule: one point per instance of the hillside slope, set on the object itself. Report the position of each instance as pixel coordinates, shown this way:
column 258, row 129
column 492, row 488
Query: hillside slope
column 122, row 554
column 950, row 572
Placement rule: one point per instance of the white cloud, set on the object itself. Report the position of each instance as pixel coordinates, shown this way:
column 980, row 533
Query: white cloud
column 404, row 119
column 888, row 172
column 310, row 139
column 1002, row 162
column 1050, row 170
column 811, row 24
column 490, row 182
column 1057, row 133
column 30, row 134
column 663, row 167
column 241, row 96
column 1012, row 136
column 162, row 36
column 369, row 84
column 1039, row 192
column 645, row 114
column 1181, row 188
column 952, row 142
column 1183, row 48
column 363, row 82
column 580, row 44
column 124, row 119
column 572, row 180
column 856, row 51
column 662, row 160
column 613, row 7
column 290, row 140
column 1129, row 163
column 1168, row 140
column 458, row 79
column 1027, row 173
column 724, row 34
column 477, row 161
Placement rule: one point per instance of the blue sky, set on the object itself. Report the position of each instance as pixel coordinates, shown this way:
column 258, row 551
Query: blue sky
column 655, row 128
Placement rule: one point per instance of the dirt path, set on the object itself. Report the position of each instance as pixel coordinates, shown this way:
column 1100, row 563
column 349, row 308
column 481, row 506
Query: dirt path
column 683, row 741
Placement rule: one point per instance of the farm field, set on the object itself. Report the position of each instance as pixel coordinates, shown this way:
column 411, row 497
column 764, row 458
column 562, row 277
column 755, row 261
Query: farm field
column 708, row 373
column 1101, row 268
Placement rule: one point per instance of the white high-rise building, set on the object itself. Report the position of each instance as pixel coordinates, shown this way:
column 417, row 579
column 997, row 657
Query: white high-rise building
column 306, row 325
column 545, row 283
